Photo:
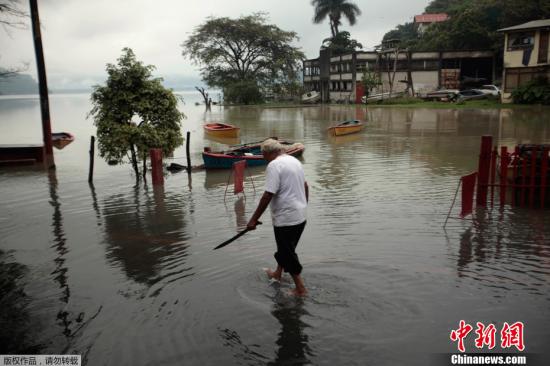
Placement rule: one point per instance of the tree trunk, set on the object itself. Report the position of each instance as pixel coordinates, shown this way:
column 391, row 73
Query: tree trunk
column 410, row 84
column 144, row 166
column 207, row 100
column 134, row 160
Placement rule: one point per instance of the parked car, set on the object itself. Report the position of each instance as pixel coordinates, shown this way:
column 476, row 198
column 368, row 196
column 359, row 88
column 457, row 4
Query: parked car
column 470, row 94
column 490, row 90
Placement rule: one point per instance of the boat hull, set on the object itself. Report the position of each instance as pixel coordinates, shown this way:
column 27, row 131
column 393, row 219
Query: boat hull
column 61, row 139
column 222, row 130
column 345, row 130
column 213, row 160
column 311, row 97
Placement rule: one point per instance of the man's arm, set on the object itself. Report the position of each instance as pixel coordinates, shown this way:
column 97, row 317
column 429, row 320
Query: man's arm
column 264, row 202
column 307, row 191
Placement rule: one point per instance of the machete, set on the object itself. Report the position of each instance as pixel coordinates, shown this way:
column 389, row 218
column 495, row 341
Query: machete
column 234, row 238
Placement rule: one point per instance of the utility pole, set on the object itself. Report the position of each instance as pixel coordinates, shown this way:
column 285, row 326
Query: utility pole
column 42, row 86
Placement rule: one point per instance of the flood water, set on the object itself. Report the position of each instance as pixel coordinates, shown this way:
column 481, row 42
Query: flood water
column 124, row 273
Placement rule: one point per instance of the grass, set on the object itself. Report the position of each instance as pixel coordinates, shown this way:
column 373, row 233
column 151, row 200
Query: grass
column 408, row 102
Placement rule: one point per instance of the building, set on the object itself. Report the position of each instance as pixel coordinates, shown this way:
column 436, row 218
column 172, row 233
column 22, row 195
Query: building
column 526, row 55
column 338, row 78
column 422, row 21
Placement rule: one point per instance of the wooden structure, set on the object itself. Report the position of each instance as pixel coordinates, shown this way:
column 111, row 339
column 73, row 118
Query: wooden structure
column 21, row 154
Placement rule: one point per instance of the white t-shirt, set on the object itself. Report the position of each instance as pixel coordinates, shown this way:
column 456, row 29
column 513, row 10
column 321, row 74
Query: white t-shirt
column 285, row 179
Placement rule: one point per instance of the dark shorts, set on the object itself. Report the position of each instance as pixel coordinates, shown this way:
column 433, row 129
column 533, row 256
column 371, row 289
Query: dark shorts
column 287, row 238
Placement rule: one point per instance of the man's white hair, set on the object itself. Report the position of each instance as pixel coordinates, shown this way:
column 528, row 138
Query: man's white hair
column 271, row 146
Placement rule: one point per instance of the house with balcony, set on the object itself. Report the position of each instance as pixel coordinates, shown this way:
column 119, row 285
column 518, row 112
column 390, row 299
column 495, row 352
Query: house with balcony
column 526, row 55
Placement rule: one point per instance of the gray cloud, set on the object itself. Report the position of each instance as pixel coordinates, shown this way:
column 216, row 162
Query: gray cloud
column 80, row 36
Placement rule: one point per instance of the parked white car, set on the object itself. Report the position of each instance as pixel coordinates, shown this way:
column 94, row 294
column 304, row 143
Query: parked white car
column 489, row 89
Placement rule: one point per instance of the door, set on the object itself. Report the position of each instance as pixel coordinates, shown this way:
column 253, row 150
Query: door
column 543, row 47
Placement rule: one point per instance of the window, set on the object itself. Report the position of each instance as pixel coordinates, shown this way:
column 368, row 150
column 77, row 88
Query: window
column 518, row 41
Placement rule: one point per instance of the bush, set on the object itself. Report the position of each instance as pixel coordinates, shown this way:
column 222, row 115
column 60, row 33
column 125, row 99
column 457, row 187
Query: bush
column 537, row 91
column 243, row 92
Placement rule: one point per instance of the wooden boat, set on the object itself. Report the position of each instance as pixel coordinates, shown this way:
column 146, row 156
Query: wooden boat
column 249, row 152
column 219, row 129
column 346, row 127
column 311, row 97
column 62, row 139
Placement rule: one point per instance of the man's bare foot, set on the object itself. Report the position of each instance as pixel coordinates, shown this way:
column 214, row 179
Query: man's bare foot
column 274, row 275
column 298, row 292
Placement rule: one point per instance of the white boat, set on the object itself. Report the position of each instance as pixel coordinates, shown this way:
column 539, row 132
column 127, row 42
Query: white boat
column 380, row 96
column 311, row 97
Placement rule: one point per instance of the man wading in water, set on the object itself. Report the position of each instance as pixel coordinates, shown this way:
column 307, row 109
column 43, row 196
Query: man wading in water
column 287, row 191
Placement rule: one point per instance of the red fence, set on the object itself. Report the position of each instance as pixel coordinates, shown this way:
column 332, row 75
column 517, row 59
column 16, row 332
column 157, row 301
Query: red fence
column 521, row 176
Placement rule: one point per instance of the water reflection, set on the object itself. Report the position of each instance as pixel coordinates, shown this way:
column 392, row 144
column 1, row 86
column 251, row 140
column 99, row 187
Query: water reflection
column 292, row 342
column 505, row 249
column 17, row 331
column 66, row 319
column 240, row 212
column 145, row 234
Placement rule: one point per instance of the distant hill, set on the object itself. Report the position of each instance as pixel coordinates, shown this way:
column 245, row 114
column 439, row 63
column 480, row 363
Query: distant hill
column 18, row 84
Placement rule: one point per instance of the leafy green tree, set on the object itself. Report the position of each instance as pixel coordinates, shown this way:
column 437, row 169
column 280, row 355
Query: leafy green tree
column 407, row 34
column 133, row 112
column 370, row 81
column 473, row 24
column 342, row 44
column 334, row 10
column 244, row 52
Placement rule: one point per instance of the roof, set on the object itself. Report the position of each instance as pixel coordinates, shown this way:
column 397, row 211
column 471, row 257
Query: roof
column 431, row 18
column 529, row 25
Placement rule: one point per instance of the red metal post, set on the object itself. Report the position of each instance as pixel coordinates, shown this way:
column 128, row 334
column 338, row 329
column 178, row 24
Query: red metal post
column 42, row 86
column 533, row 173
column 515, row 177
column 504, row 161
column 493, row 173
column 483, row 169
column 156, row 165
column 543, row 174
column 523, row 180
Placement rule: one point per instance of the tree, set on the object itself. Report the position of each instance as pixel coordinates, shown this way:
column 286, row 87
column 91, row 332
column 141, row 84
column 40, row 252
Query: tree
column 11, row 14
column 473, row 24
column 246, row 52
column 133, row 112
column 407, row 34
column 341, row 44
column 10, row 17
column 370, row 81
column 334, row 10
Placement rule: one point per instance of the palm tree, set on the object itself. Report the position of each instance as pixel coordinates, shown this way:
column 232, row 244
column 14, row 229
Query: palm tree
column 334, row 9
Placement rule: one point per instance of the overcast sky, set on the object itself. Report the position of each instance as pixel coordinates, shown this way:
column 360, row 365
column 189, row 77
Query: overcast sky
column 81, row 36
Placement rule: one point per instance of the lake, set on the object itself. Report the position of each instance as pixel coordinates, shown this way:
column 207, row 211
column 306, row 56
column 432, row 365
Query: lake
column 124, row 273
